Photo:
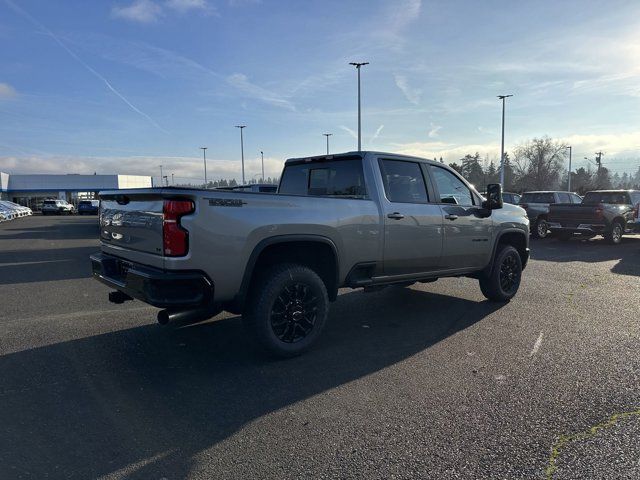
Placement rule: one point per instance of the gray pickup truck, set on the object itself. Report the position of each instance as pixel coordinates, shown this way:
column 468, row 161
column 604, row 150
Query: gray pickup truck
column 536, row 204
column 360, row 219
column 610, row 213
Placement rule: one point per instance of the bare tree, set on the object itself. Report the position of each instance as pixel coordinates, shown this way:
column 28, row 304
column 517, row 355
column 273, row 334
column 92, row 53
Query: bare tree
column 539, row 164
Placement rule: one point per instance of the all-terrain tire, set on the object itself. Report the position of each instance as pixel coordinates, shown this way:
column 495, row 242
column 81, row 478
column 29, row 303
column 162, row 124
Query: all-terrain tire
column 287, row 309
column 502, row 283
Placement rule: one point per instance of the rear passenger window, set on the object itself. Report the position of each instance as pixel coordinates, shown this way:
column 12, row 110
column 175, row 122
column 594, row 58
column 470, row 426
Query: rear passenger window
column 403, row 181
column 339, row 178
column 450, row 188
column 575, row 198
column 564, row 197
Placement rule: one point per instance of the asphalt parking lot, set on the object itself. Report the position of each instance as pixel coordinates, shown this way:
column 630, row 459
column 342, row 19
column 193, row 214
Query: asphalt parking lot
column 430, row 381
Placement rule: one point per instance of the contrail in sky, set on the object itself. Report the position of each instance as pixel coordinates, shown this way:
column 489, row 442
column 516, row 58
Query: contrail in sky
column 25, row 14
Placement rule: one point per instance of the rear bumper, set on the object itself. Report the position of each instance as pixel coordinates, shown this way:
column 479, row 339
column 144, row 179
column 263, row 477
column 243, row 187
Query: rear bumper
column 160, row 288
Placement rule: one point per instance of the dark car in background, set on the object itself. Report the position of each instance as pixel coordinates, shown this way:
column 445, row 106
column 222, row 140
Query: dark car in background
column 512, row 198
column 89, row 207
column 610, row 213
column 536, row 204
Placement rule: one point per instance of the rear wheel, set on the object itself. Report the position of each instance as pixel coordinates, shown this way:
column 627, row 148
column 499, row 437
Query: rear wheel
column 541, row 228
column 614, row 236
column 287, row 309
column 504, row 280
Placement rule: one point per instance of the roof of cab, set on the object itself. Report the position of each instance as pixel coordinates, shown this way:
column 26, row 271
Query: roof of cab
column 338, row 156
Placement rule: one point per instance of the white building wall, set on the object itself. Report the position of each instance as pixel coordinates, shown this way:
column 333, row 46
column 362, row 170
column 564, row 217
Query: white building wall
column 134, row 181
column 4, row 181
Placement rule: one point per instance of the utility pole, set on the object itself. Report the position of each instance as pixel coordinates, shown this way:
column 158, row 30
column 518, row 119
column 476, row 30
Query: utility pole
column 241, row 127
column 358, row 65
column 327, row 135
column 599, row 160
column 262, row 155
column 204, row 158
column 502, row 97
column 160, row 175
column 172, row 181
column 569, row 177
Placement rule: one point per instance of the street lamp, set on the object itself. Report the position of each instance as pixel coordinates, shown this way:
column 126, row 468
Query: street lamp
column 204, row 159
column 502, row 97
column 569, row 178
column 327, row 135
column 358, row 65
column 262, row 155
column 241, row 127
column 160, row 175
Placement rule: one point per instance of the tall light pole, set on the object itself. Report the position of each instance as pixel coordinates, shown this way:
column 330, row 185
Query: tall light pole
column 241, row 127
column 172, row 180
column 204, row 159
column 569, row 177
column 262, row 156
column 160, row 175
column 502, row 97
column 358, row 65
column 327, row 135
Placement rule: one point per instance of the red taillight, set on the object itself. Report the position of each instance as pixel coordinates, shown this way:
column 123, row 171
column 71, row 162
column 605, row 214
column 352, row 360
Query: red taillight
column 599, row 210
column 175, row 238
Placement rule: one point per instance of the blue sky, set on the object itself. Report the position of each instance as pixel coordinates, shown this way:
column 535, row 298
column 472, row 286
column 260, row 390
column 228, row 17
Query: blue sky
column 123, row 86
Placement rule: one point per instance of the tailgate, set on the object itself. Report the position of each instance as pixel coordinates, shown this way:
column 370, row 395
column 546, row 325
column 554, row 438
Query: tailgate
column 572, row 215
column 132, row 222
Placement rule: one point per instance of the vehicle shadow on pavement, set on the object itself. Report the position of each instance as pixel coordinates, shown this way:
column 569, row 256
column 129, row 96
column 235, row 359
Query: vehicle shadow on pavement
column 592, row 251
column 64, row 228
column 144, row 401
column 25, row 266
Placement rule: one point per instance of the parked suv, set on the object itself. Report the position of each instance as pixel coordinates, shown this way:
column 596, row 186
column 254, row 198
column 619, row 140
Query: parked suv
column 536, row 204
column 57, row 207
column 359, row 219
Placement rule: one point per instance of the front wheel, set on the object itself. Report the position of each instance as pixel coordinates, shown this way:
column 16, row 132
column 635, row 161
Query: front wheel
column 503, row 282
column 287, row 309
column 614, row 236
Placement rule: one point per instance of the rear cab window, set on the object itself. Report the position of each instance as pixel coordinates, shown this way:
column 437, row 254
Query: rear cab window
column 342, row 178
column 533, row 197
column 614, row 198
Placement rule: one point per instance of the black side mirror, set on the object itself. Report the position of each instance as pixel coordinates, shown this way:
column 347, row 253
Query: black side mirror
column 494, row 196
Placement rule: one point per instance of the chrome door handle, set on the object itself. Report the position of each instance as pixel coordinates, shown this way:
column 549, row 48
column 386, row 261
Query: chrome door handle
column 395, row 216
column 451, row 217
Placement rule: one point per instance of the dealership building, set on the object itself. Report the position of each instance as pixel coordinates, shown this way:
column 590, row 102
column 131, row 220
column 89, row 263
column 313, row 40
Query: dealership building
column 32, row 190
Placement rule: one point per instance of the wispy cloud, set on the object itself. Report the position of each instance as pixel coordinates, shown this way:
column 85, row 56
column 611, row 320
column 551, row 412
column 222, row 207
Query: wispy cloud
column 433, row 131
column 185, row 169
column 241, row 3
column 411, row 94
column 349, row 131
column 7, row 91
column 184, row 6
column 56, row 39
column 377, row 133
column 150, row 11
column 142, row 11
column 242, row 83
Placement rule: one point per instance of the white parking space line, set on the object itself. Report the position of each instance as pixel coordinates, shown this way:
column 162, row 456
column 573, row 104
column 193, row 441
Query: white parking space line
column 536, row 346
